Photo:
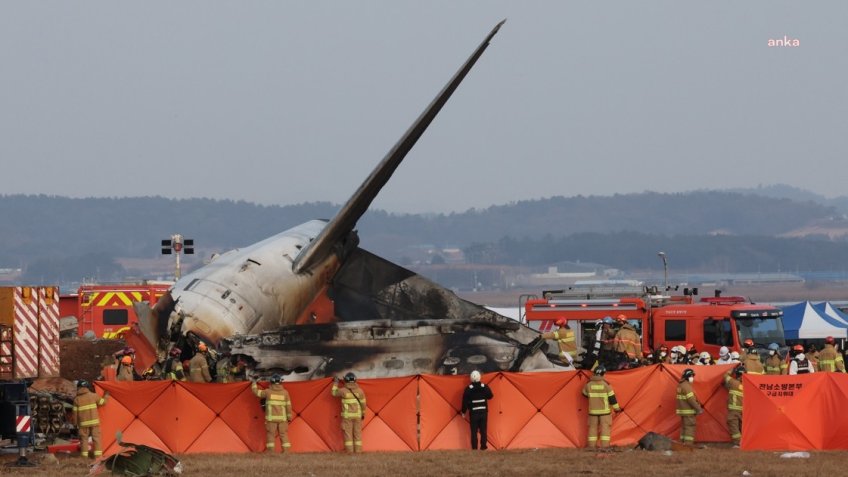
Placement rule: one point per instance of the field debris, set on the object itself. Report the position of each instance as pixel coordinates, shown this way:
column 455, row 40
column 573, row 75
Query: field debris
column 138, row 460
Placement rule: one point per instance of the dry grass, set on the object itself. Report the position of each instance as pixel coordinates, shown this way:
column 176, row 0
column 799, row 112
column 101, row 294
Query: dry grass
column 714, row 461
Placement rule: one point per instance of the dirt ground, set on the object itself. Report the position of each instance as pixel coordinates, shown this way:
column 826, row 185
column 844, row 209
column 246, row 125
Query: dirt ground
column 707, row 462
column 83, row 359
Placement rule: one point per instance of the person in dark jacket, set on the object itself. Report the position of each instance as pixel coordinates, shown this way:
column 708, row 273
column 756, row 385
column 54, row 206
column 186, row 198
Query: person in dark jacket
column 475, row 402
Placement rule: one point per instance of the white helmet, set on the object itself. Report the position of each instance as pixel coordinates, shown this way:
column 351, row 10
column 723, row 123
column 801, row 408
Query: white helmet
column 704, row 355
column 475, row 376
column 734, row 355
column 723, row 351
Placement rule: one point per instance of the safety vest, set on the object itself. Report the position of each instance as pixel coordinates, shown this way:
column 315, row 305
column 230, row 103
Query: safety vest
column 600, row 396
column 353, row 401
column 734, row 393
column 802, row 366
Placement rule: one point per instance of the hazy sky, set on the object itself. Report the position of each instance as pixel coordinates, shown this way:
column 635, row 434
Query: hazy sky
column 285, row 102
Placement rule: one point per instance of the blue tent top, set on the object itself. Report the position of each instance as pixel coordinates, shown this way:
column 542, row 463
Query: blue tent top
column 802, row 320
column 828, row 309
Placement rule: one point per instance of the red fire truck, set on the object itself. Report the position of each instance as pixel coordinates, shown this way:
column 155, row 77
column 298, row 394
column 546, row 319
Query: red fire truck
column 660, row 318
column 107, row 310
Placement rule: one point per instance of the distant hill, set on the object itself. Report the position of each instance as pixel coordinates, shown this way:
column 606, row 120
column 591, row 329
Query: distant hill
column 49, row 235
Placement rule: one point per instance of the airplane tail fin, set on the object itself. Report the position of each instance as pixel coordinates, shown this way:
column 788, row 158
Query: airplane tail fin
column 345, row 220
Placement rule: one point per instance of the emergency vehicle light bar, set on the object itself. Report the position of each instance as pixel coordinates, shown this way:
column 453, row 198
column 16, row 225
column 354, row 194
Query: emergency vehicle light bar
column 757, row 314
column 585, row 306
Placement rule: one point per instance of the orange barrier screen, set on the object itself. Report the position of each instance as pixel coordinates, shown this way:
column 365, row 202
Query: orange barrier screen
column 529, row 410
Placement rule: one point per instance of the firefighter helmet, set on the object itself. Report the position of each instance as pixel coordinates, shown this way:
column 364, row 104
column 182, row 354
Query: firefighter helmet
column 799, row 348
column 175, row 352
column 201, row 347
column 560, row 322
column 829, row 340
column 688, row 373
column 723, row 351
column 600, row 370
column 704, row 355
column 607, row 320
column 748, row 343
column 621, row 318
column 774, row 347
column 126, row 360
column 350, row 378
column 276, row 379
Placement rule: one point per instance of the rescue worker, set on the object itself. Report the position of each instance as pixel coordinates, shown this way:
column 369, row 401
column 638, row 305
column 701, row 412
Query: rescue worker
column 801, row 365
column 734, row 357
column 603, row 347
column 691, row 354
column 678, row 355
column 565, row 339
column 775, row 365
column 87, row 418
column 830, row 360
column 688, row 406
column 628, row 344
column 724, row 356
column 813, row 355
column 704, row 359
column 733, row 383
column 602, row 402
column 353, row 411
column 173, row 367
column 198, row 367
column 475, row 401
column 125, row 369
column 662, row 356
column 752, row 362
column 795, row 351
column 278, row 412
column 224, row 369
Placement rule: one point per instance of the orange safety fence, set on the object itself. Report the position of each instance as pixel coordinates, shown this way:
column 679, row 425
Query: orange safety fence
column 529, row 410
column 801, row 412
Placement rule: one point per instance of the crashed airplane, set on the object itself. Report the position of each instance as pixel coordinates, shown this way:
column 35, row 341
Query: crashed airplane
column 310, row 303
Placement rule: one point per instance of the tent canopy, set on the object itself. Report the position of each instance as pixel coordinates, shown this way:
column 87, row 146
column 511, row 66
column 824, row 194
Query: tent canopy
column 804, row 321
column 828, row 309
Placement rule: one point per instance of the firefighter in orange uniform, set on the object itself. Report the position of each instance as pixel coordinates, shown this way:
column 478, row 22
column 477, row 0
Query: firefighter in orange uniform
column 751, row 361
column 86, row 417
column 687, row 406
column 830, row 360
column 125, row 369
column 565, row 339
column 353, row 411
column 602, row 402
column 627, row 341
column 198, row 367
column 733, row 383
column 278, row 412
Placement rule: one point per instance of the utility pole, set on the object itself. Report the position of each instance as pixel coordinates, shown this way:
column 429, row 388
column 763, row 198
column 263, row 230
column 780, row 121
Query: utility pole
column 665, row 268
column 177, row 244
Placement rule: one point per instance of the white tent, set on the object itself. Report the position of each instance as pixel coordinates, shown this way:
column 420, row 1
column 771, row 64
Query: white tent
column 804, row 321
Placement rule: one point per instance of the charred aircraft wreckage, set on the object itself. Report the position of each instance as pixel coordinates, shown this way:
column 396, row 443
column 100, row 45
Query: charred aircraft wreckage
column 310, row 303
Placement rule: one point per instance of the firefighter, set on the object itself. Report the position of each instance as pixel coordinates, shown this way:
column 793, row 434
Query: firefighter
column 198, row 367
column 704, row 359
column 801, row 365
column 86, row 417
column 565, row 339
column 602, row 402
column 224, row 369
column 813, row 355
column 125, row 369
column 830, row 360
column 353, row 411
column 628, row 344
column 662, row 356
column 278, row 412
column 475, row 400
column 688, row 406
column 752, row 362
column 775, row 365
column 603, row 347
column 173, row 368
column 733, row 383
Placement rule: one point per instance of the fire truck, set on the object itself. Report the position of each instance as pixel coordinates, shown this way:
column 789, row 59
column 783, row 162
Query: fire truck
column 660, row 318
column 107, row 310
